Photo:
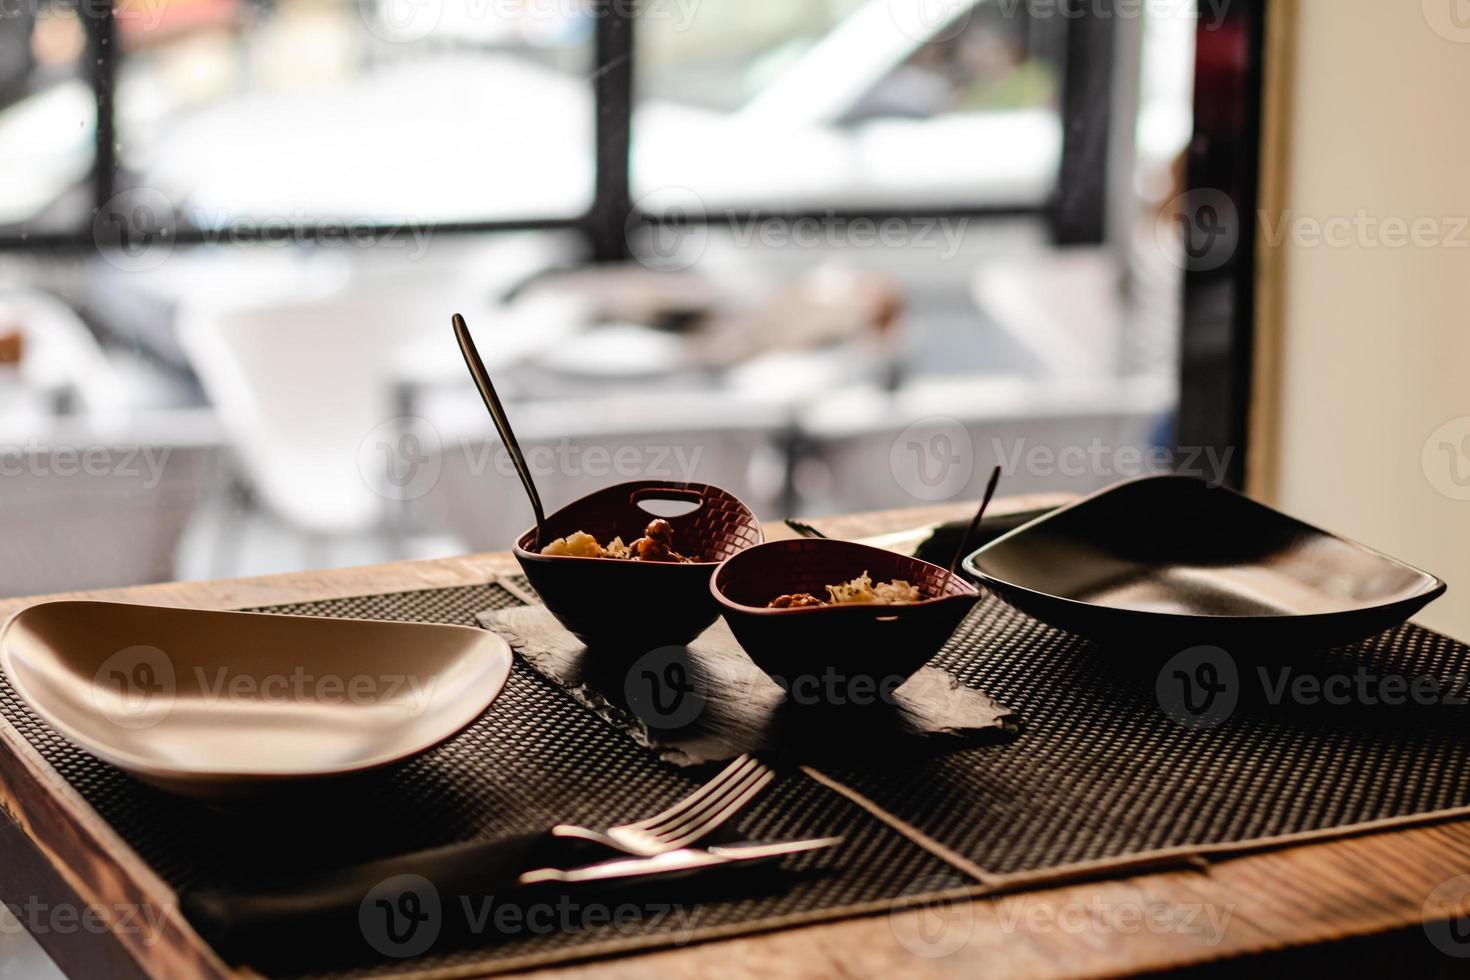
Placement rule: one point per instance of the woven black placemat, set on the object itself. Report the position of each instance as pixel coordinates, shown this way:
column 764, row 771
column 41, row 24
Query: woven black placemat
column 1103, row 770
column 535, row 758
column 706, row 702
column 1106, row 767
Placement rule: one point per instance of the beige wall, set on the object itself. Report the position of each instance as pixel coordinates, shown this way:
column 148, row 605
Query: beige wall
column 1373, row 341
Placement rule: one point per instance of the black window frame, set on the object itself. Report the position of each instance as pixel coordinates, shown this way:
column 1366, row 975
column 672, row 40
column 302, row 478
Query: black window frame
column 1219, row 304
column 1217, row 337
column 1075, row 214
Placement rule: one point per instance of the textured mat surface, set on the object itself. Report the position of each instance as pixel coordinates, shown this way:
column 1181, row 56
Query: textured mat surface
column 1103, row 769
column 1110, row 762
column 535, row 758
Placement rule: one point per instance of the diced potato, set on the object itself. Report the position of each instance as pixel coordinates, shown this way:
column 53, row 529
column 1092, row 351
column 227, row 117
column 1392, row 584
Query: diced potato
column 578, row 544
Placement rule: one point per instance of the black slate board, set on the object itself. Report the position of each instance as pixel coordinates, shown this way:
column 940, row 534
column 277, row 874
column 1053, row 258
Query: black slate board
column 707, row 702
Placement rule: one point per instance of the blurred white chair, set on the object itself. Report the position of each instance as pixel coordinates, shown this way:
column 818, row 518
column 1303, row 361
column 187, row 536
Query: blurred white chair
column 300, row 388
column 1064, row 306
column 579, row 446
column 862, row 454
column 61, row 359
column 308, row 390
column 82, row 510
column 1084, row 313
column 93, row 493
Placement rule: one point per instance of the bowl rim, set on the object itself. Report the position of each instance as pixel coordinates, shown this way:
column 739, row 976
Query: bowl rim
column 523, row 554
column 1431, row 588
column 870, row 609
column 633, row 485
column 194, row 773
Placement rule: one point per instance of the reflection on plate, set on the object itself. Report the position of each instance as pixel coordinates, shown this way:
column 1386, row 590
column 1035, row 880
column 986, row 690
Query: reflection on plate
column 224, row 705
column 1172, row 561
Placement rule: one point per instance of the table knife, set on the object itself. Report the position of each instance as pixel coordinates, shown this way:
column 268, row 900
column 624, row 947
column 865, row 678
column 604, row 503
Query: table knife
column 676, row 862
column 251, row 922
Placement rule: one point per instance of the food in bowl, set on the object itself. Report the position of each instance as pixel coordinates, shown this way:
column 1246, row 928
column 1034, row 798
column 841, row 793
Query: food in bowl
column 870, row 640
column 599, row 602
column 657, row 544
column 860, row 590
column 800, row 600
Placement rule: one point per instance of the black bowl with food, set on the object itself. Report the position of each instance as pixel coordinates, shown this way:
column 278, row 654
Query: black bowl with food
column 834, row 618
column 618, row 574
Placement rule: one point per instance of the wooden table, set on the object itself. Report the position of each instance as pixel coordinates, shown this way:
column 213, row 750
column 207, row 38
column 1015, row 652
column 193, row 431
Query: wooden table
column 1356, row 902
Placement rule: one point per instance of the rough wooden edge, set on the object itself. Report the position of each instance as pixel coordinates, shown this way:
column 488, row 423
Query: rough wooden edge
column 38, row 791
column 1277, row 115
column 1045, row 887
column 1322, row 902
column 100, row 867
column 293, row 587
column 140, row 883
column 95, row 862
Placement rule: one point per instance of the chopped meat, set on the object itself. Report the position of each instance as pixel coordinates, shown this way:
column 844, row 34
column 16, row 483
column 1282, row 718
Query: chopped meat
column 794, row 601
column 657, row 543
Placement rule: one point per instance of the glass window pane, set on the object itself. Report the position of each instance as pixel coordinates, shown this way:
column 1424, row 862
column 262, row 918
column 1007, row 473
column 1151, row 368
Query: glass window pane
column 48, row 118
column 846, row 102
column 380, row 111
column 312, row 404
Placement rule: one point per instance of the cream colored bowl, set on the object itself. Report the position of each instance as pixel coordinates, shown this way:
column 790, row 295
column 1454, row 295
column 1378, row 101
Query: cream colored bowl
column 225, row 705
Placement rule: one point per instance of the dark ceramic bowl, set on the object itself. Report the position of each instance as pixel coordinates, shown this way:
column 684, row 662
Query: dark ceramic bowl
column 636, row 604
column 873, row 643
column 1168, row 562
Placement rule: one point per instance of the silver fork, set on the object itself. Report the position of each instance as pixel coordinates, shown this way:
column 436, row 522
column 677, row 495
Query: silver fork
column 692, row 818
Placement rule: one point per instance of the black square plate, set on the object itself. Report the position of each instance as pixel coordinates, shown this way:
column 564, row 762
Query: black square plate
column 1170, row 561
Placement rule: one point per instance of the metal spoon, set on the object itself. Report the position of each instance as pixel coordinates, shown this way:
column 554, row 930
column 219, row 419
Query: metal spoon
column 803, row 529
column 975, row 523
column 497, row 413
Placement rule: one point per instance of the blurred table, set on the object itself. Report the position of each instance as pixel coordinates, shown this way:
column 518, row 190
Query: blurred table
column 1356, row 903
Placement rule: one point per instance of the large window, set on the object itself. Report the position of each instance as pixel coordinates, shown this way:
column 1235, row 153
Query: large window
column 197, row 116
column 390, row 112
column 207, row 116
column 843, row 103
column 48, row 117
column 754, row 242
